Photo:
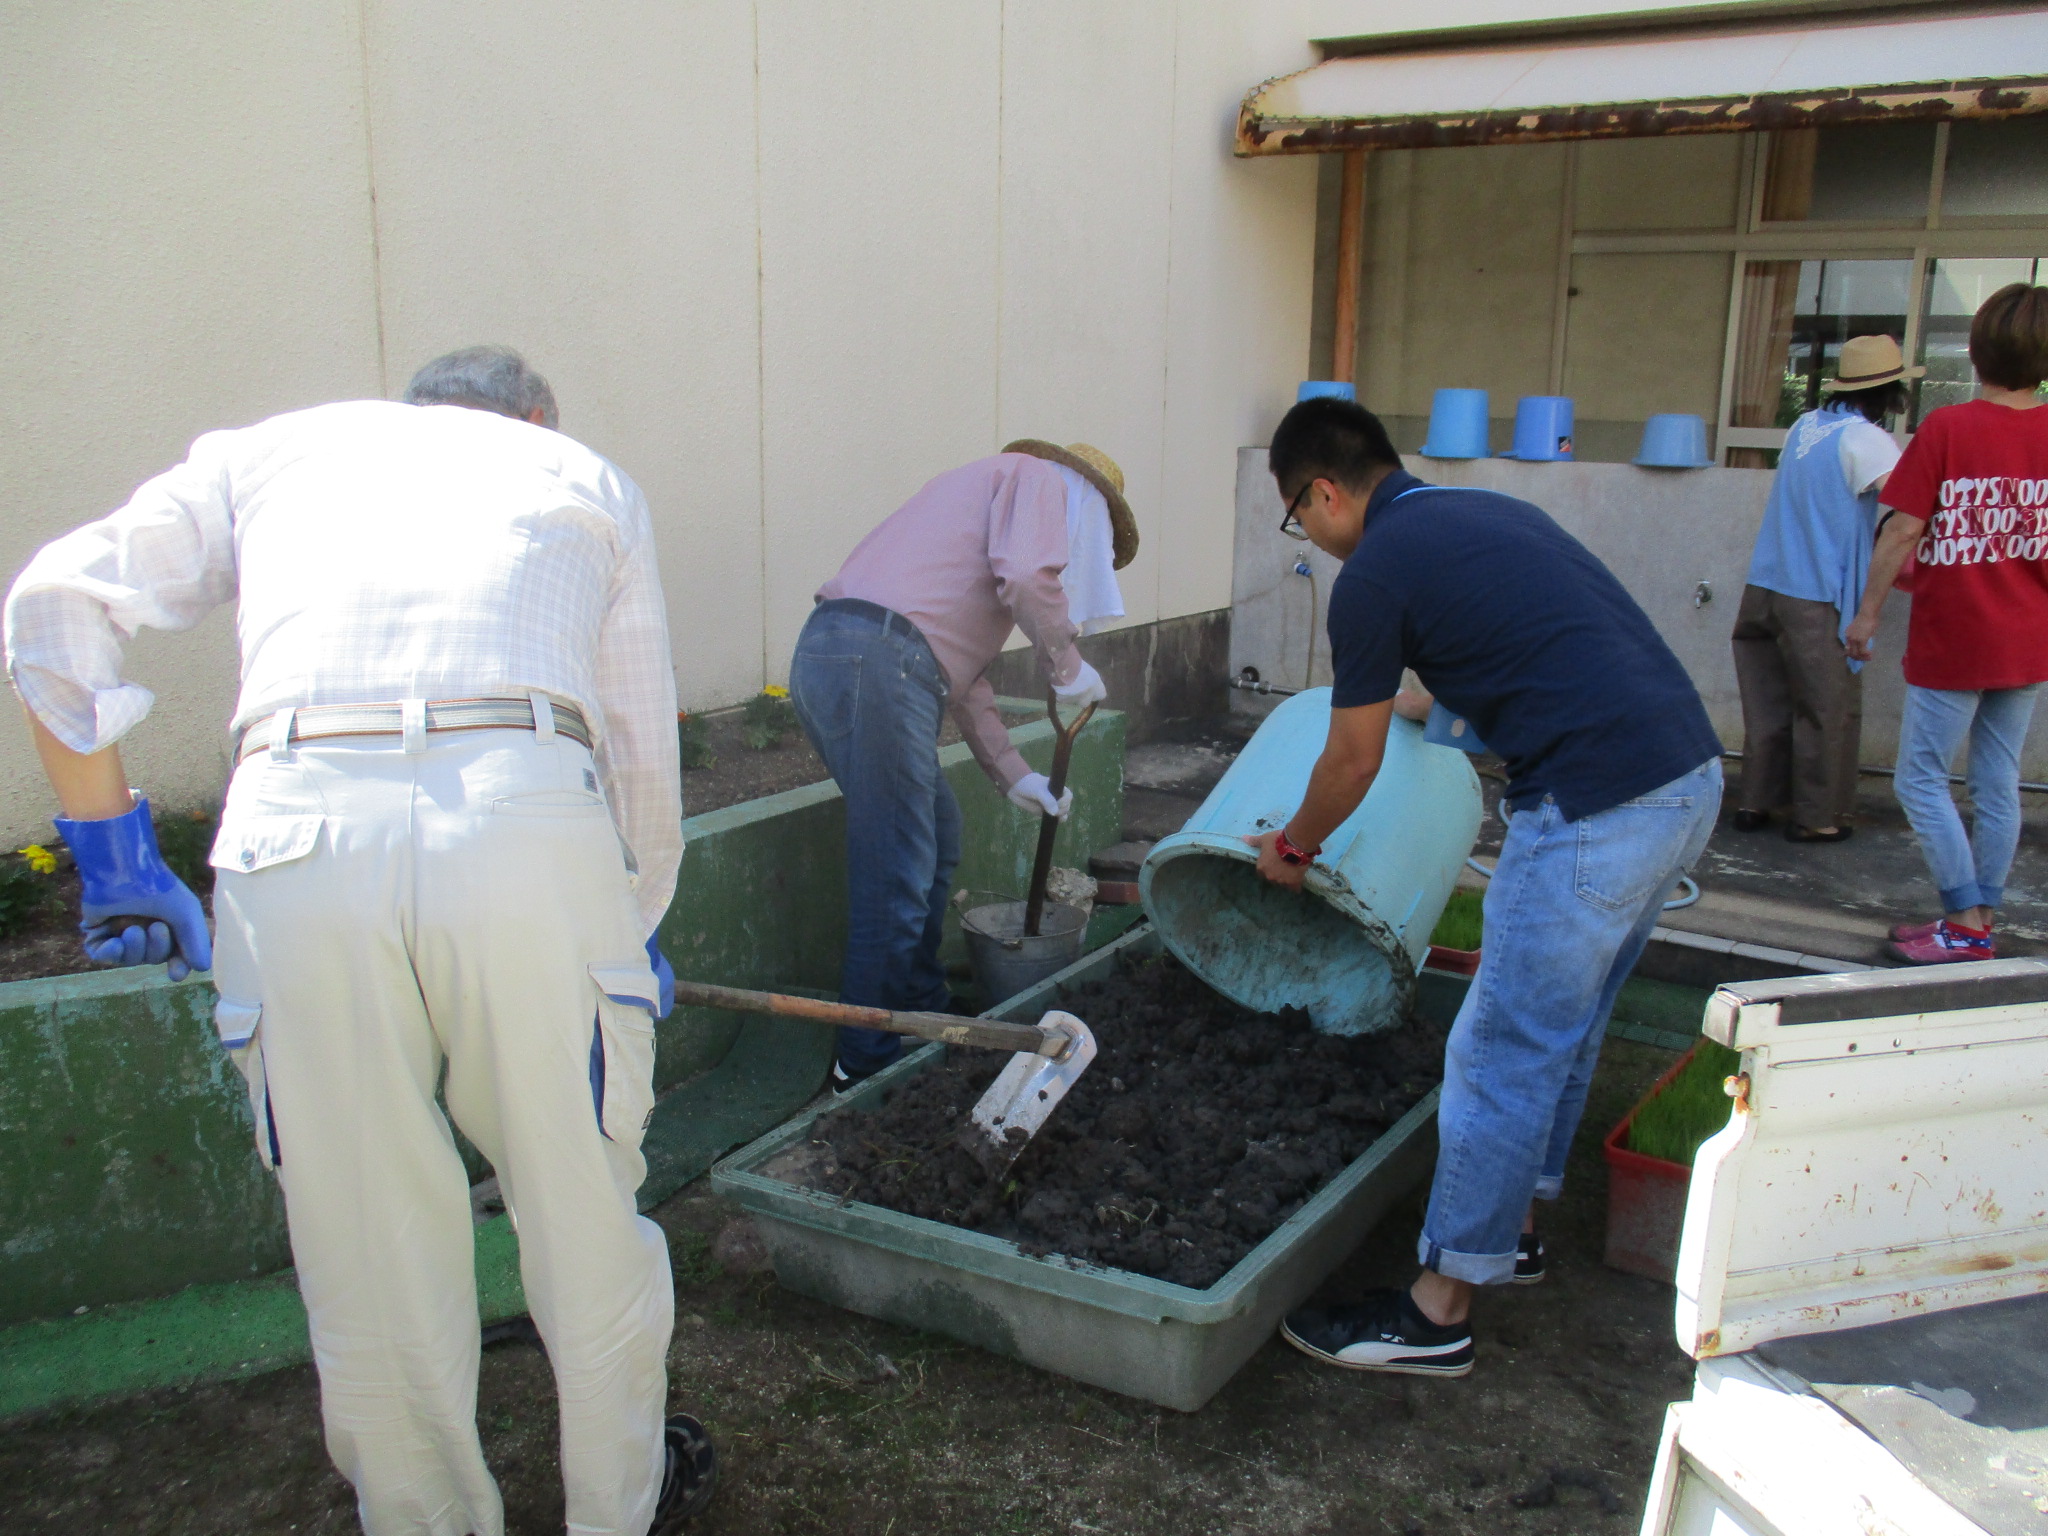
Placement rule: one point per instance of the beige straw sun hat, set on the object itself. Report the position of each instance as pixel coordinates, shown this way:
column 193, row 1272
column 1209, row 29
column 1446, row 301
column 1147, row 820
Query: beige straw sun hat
column 1868, row 361
column 1101, row 472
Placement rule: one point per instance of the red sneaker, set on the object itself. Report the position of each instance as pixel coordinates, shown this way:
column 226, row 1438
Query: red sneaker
column 1906, row 933
column 1949, row 943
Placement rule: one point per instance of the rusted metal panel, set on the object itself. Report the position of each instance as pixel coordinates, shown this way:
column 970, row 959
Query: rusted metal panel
column 1257, row 135
column 1881, row 68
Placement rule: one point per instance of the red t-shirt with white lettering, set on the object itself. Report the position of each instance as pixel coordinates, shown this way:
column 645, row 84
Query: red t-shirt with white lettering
column 1978, row 474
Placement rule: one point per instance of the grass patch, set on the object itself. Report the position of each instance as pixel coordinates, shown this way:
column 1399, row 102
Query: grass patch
column 1692, row 1107
column 1461, row 925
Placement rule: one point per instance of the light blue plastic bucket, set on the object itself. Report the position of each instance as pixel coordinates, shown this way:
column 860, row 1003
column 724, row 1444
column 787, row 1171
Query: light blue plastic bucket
column 1458, row 424
column 1674, row 441
column 1345, row 948
column 1543, row 428
column 1317, row 389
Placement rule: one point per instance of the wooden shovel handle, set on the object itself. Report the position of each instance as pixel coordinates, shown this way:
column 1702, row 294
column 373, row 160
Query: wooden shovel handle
column 989, row 1034
column 1049, row 826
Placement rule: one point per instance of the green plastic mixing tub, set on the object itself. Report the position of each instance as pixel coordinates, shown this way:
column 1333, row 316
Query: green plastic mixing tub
column 1169, row 1344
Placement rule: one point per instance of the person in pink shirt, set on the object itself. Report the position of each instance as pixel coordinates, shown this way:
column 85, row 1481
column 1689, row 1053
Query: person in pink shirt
column 1029, row 538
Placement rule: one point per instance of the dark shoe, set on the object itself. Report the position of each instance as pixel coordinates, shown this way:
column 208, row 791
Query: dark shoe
column 844, row 1082
column 1385, row 1331
column 1750, row 821
column 1794, row 833
column 690, row 1476
column 1528, row 1259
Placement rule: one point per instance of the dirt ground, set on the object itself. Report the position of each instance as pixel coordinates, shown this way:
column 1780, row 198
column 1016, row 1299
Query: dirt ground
column 829, row 1422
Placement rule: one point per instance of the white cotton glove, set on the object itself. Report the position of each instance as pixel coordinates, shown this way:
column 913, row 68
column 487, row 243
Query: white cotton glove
column 1033, row 793
column 1085, row 689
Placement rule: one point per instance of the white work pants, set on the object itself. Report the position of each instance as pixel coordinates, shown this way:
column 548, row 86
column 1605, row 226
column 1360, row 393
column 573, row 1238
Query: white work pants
column 382, row 912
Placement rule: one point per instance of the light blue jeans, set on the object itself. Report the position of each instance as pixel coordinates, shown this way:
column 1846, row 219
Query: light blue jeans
column 1969, row 870
column 1569, row 909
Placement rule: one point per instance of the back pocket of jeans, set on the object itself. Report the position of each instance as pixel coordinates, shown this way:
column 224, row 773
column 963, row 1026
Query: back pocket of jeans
column 1628, row 853
column 826, row 692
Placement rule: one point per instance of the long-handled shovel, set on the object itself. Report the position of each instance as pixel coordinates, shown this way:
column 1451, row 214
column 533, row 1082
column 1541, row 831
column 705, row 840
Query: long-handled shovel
column 1050, row 1057
column 1049, row 826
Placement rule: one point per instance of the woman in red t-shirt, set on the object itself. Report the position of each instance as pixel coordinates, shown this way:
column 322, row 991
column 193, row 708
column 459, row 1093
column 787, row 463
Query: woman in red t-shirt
column 1971, row 497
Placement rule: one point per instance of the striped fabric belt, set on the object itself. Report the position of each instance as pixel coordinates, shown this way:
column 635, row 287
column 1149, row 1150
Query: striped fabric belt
column 311, row 721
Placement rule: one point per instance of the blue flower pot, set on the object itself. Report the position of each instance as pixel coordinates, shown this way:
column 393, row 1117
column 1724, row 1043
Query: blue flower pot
column 1543, row 428
column 1457, row 425
column 1674, row 441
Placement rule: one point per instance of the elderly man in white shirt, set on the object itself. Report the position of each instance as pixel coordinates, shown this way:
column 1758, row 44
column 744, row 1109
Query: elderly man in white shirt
column 454, row 824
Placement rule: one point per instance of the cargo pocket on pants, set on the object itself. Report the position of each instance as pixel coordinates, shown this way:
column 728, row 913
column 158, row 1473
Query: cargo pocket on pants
column 241, row 1036
column 622, row 1049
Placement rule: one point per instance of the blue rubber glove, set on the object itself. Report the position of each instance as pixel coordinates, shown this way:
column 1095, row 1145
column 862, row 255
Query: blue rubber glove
column 126, row 881
column 664, row 977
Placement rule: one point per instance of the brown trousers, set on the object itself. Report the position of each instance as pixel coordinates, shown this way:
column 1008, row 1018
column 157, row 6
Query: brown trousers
column 1802, row 709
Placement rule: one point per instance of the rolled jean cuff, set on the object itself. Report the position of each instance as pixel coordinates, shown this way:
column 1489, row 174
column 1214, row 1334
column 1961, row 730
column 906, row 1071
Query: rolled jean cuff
column 1960, row 898
column 1550, row 1186
column 1472, row 1268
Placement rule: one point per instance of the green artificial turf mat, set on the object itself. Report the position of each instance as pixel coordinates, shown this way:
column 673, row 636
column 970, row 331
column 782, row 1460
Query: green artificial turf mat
column 1689, row 1109
column 1461, row 925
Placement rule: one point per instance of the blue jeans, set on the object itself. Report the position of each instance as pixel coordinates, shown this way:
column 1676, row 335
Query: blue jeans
column 871, row 696
column 1569, row 909
column 1969, row 871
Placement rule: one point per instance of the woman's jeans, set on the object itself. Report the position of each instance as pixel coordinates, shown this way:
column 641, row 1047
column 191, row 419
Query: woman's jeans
column 1568, row 912
column 871, row 696
column 1968, row 870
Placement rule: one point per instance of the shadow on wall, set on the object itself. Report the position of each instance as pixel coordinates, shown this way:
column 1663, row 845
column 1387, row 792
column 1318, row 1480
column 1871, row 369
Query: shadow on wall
column 1159, row 675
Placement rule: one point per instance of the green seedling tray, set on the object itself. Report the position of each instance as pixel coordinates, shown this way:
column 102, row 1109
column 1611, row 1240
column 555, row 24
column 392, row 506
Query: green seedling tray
column 1168, row 1344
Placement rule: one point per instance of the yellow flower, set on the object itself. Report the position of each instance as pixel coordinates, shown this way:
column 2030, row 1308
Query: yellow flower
column 40, row 859
column 773, row 691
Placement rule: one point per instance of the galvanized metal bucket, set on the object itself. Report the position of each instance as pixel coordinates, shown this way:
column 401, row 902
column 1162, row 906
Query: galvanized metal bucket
column 1345, row 948
column 1005, row 960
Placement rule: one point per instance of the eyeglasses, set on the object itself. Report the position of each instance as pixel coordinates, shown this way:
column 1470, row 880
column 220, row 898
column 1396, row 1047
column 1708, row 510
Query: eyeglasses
column 1290, row 523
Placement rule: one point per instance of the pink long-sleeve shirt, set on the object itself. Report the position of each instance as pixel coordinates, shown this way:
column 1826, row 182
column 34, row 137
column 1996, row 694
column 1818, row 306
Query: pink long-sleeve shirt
column 978, row 550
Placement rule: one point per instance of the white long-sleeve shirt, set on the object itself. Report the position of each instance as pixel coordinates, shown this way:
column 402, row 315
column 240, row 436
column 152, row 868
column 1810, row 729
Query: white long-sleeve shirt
column 380, row 552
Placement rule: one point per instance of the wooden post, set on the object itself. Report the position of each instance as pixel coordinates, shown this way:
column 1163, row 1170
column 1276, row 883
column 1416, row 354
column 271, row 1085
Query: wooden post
column 1350, row 257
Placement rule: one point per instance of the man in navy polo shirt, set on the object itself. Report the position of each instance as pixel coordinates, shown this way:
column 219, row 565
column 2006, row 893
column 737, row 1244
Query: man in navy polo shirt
column 1614, row 779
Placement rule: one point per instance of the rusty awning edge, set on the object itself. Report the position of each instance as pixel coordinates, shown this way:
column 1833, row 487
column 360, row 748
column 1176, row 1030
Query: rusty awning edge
column 1915, row 103
column 1926, row 102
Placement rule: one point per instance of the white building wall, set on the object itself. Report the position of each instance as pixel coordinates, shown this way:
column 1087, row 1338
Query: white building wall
column 782, row 261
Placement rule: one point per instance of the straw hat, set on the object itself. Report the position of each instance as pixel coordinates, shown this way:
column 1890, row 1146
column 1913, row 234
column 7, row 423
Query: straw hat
column 1868, row 361
column 1102, row 472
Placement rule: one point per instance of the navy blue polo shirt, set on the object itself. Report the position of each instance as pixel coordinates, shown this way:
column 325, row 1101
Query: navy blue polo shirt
column 1512, row 623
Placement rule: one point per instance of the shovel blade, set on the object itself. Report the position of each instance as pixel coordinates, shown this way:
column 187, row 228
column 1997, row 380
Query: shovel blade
column 1025, row 1092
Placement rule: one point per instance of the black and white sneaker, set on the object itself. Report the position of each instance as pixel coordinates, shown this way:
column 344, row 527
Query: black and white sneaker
column 1384, row 1331
column 844, row 1081
column 689, row 1477
column 1529, row 1259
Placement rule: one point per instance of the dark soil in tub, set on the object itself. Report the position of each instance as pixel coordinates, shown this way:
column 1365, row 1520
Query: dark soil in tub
column 1200, row 1127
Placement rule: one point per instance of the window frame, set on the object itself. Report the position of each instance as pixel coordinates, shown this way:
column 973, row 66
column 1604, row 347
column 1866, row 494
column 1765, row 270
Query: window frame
column 1921, row 241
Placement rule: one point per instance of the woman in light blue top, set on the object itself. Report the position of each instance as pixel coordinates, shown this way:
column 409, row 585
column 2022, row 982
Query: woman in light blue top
column 1802, row 709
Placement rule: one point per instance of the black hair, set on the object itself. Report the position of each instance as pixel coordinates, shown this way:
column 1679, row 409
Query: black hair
column 1330, row 439
column 1874, row 403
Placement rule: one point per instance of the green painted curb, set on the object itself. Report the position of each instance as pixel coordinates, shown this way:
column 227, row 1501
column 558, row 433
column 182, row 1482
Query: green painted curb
column 203, row 1333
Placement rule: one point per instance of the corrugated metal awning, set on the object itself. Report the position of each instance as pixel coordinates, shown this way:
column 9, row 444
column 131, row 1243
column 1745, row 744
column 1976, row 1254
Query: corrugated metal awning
column 1725, row 78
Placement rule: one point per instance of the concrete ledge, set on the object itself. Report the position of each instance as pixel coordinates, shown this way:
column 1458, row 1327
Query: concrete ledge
column 1704, row 960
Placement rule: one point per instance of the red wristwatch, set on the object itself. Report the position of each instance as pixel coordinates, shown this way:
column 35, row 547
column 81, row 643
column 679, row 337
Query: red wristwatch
column 1289, row 854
